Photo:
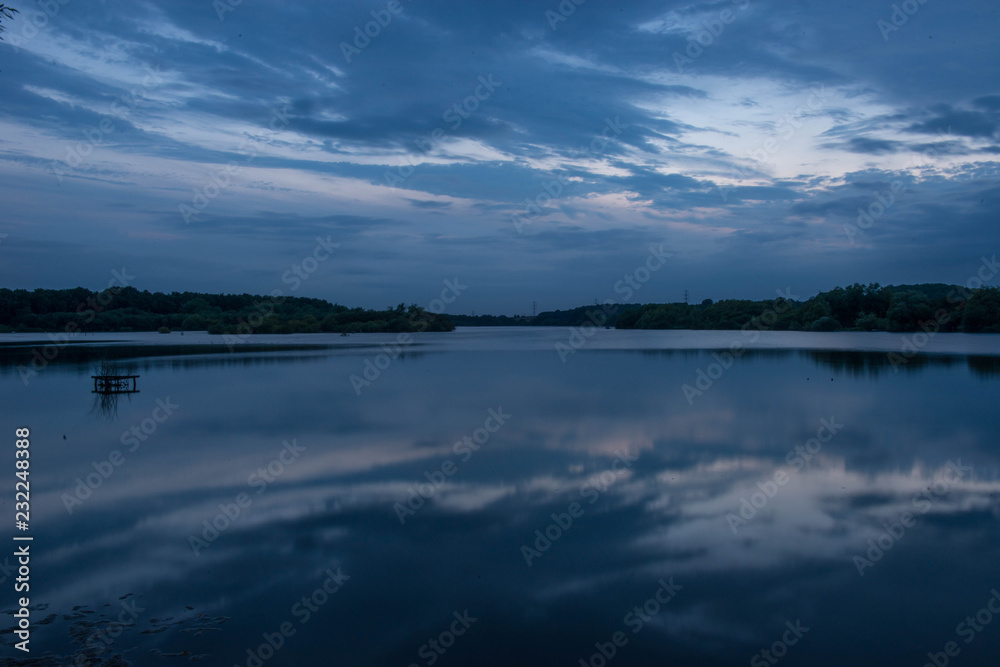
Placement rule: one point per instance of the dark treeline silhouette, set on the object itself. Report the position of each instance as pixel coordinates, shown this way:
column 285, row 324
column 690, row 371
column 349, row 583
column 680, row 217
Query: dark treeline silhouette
column 601, row 315
column 872, row 307
column 937, row 307
column 605, row 315
column 931, row 307
column 128, row 309
column 490, row 320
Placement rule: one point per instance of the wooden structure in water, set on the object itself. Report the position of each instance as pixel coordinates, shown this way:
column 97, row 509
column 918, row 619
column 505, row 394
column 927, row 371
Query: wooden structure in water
column 115, row 384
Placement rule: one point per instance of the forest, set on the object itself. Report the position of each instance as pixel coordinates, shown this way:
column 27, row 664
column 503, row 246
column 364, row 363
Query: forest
column 871, row 307
column 605, row 316
column 128, row 309
column 857, row 307
column 490, row 320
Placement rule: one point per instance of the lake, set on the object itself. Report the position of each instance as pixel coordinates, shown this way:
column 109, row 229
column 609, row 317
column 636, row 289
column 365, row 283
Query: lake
column 516, row 496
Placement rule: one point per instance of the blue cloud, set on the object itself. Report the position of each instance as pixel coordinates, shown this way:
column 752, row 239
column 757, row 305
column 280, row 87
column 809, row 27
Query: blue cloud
column 597, row 123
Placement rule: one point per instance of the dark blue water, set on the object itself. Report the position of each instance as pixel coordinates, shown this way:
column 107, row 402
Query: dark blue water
column 481, row 502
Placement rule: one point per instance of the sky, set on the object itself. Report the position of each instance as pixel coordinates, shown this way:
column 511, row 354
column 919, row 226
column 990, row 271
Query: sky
column 511, row 155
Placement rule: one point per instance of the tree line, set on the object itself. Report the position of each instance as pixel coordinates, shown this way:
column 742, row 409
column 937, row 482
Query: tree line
column 128, row 309
column 858, row 307
column 872, row 307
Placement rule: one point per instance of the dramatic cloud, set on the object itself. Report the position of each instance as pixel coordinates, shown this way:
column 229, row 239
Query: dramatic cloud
column 534, row 151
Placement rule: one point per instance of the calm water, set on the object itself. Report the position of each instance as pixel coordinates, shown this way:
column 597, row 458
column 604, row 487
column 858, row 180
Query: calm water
column 818, row 503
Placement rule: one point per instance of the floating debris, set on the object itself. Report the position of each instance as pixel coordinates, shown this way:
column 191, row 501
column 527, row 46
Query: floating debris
column 101, row 640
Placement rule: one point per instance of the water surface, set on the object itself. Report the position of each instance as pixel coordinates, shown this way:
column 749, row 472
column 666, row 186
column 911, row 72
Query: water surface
column 382, row 492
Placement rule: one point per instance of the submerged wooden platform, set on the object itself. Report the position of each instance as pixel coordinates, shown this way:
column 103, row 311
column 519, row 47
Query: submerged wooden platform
column 115, row 384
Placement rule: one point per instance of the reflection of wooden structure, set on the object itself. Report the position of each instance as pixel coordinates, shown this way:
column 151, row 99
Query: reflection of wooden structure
column 115, row 384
